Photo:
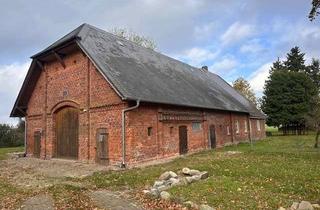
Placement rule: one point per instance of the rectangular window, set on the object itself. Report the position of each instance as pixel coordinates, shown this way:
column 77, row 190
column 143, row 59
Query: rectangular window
column 237, row 127
column 258, row 125
column 196, row 126
column 228, row 130
column 149, row 131
column 245, row 126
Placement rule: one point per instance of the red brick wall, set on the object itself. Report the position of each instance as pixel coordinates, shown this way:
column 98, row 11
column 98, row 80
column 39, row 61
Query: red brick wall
column 80, row 85
column 255, row 133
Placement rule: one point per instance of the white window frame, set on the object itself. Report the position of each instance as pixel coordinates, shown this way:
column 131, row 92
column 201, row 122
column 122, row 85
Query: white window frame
column 228, row 130
column 258, row 125
column 245, row 126
column 237, row 127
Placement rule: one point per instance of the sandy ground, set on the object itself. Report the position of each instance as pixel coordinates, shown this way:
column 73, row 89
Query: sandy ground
column 33, row 172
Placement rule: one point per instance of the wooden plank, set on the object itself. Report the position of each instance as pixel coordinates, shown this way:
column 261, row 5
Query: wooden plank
column 60, row 59
column 36, row 144
column 67, row 133
column 212, row 136
column 102, row 156
column 183, row 139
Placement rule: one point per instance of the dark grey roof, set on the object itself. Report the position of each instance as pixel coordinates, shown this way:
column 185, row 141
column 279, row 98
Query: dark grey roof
column 138, row 73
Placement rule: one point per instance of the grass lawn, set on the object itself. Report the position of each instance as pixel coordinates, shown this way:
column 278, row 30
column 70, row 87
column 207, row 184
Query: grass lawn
column 272, row 173
column 5, row 150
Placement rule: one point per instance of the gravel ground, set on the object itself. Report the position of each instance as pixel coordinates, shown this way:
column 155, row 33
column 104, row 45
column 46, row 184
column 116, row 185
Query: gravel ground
column 33, row 172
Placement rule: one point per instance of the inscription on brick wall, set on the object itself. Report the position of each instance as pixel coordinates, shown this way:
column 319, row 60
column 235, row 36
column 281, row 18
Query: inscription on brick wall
column 180, row 116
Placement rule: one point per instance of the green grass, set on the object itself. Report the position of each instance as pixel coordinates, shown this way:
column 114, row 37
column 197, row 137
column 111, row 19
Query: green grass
column 271, row 129
column 271, row 173
column 4, row 151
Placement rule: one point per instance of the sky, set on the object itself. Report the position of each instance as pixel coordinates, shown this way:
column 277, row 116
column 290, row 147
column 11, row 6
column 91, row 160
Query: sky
column 232, row 37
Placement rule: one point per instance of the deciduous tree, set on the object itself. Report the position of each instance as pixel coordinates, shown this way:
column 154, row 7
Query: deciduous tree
column 314, row 10
column 243, row 87
column 134, row 37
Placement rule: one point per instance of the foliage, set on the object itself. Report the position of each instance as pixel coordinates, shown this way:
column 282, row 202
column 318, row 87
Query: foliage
column 314, row 10
column 11, row 136
column 314, row 72
column 275, row 172
column 289, row 90
column 295, row 60
column 243, row 86
column 134, row 37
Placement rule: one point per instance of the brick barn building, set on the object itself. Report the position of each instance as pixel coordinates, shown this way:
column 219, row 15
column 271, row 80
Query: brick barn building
column 96, row 97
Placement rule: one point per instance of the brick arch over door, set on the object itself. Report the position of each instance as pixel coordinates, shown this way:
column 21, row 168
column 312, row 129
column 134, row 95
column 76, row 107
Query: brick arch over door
column 66, row 132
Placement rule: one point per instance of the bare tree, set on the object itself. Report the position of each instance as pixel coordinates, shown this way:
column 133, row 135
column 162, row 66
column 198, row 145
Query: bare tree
column 314, row 10
column 134, row 37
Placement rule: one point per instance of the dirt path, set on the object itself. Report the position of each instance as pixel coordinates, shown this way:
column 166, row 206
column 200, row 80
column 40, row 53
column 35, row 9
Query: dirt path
column 32, row 172
column 49, row 179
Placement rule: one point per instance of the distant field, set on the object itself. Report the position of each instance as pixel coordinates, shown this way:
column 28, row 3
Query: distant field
column 5, row 150
column 271, row 129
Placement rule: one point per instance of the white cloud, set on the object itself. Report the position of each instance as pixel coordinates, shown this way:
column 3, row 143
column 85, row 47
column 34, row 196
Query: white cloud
column 226, row 65
column 204, row 31
column 197, row 56
column 258, row 78
column 237, row 32
column 11, row 78
column 252, row 46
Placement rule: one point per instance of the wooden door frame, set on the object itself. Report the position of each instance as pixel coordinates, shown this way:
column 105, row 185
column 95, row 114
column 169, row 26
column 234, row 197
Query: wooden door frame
column 181, row 152
column 98, row 158
column 57, row 108
column 37, row 132
column 215, row 136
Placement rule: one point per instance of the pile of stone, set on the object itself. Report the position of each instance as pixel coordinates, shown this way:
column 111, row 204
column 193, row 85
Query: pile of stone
column 169, row 179
column 303, row 205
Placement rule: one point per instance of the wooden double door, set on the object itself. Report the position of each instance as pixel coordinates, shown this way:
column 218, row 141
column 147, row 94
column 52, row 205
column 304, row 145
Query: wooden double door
column 67, row 133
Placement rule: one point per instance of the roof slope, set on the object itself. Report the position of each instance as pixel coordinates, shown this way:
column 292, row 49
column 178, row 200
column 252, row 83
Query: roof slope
column 138, row 73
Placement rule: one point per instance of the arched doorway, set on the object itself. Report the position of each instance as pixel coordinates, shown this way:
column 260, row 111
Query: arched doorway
column 212, row 135
column 67, row 135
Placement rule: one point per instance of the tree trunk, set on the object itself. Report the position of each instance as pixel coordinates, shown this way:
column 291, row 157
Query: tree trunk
column 316, row 145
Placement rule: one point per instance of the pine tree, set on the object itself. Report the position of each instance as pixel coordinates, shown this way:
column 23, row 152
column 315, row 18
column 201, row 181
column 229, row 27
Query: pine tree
column 295, row 60
column 313, row 72
column 243, row 87
column 288, row 92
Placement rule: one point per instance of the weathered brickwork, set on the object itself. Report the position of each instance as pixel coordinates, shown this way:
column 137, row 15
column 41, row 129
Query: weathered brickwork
column 152, row 130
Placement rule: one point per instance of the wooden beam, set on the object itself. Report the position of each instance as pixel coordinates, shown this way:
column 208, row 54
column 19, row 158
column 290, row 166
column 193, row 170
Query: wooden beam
column 60, row 59
column 39, row 63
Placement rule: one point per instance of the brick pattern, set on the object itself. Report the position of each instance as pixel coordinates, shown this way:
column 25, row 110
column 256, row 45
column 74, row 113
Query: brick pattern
column 81, row 85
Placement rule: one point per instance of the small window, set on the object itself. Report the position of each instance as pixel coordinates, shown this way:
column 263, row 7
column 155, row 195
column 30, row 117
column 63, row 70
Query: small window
column 171, row 130
column 196, row 126
column 228, row 130
column 245, row 126
column 149, row 131
column 258, row 125
column 237, row 127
